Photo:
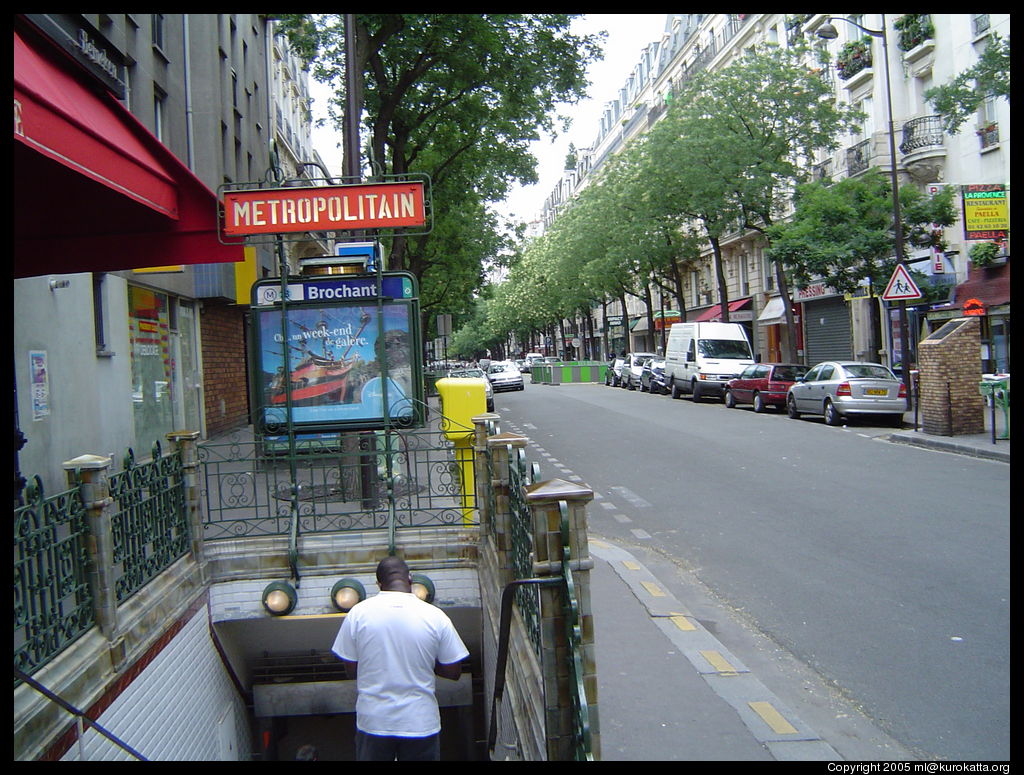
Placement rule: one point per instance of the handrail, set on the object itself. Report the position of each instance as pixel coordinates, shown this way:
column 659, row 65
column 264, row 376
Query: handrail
column 21, row 676
column 504, row 631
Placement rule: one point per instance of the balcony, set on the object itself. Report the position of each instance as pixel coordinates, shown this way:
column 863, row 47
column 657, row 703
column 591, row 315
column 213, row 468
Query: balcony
column 858, row 158
column 924, row 148
column 988, row 135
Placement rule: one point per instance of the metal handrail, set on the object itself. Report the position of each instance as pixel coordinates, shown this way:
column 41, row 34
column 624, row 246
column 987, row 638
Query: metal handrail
column 78, row 714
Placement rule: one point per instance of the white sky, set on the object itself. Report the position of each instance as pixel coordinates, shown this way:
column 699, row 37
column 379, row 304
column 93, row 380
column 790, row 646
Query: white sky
column 628, row 34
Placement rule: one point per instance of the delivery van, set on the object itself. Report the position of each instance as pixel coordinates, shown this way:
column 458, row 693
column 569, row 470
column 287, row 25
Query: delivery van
column 700, row 358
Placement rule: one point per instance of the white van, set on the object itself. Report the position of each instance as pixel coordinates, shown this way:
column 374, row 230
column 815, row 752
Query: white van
column 700, row 358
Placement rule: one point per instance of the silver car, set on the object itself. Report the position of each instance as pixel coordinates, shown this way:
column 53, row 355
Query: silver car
column 838, row 389
column 505, row 375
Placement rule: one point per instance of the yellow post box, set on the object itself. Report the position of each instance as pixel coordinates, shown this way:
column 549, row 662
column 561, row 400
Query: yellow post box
column 462, row 400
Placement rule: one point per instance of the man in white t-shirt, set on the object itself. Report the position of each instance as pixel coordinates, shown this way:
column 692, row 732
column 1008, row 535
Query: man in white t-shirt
column 394, row 644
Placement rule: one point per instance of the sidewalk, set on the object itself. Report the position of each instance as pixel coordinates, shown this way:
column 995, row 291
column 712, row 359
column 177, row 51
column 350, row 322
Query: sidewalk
column 975, row 445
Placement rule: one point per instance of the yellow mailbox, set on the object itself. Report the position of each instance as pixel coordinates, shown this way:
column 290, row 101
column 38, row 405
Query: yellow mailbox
column 461, row 400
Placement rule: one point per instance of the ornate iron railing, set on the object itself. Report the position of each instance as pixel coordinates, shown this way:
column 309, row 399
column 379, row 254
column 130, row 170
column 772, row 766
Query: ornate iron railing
column 923, row 132
column 343, row 482
column 858, row 157
column 150, row 523
column 53, row 604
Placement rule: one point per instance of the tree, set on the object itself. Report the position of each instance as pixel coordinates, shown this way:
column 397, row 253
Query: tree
column 456, row 97
column 843, row 234
column 737, row 141
column 957, row 100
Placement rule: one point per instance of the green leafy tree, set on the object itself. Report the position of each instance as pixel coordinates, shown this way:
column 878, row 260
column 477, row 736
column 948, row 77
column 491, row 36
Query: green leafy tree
column 456, row 97
column 959, row 99
column 843, row 234
column 737, row 141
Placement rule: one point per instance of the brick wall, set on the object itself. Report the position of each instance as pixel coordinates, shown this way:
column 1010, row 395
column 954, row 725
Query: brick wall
column 950, row 372
column 225, row 379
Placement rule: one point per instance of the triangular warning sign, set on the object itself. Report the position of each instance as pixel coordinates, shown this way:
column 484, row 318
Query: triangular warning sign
column 901, row 286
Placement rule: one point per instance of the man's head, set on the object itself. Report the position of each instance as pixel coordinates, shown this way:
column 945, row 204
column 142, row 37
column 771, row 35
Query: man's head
column 393, row 575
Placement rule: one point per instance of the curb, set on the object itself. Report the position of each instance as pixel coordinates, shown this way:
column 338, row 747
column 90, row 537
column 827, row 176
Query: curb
column 928, row 442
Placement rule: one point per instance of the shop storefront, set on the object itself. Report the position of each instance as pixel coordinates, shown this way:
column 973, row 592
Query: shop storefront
column 773, row 335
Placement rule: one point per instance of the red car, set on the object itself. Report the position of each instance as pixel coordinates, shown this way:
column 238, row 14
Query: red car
column 763, row 385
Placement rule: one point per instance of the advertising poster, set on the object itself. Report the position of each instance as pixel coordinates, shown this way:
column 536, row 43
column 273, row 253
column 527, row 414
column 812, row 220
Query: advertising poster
column 40, row 384
column 334, row 355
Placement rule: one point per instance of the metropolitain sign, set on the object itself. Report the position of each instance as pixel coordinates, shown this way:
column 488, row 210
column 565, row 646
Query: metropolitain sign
column 324, row 208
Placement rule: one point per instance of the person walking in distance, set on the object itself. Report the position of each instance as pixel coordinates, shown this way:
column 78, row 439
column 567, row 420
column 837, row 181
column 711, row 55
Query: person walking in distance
column 394, row 644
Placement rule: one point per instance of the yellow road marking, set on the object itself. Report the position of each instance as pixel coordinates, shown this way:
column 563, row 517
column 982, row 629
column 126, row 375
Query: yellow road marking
column 682, row 622
column 630, row 565
column 654, row 589
column 720, row 663
column 772, row 718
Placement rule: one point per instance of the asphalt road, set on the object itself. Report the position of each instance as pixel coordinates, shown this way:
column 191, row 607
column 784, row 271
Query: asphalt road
column 882, row 568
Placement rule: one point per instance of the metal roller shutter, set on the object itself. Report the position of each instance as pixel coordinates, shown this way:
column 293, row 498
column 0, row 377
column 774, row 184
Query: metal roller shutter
column 827, row 330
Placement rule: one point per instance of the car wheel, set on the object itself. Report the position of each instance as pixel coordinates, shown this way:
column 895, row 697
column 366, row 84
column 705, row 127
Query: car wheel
column 730, row 399
column 674, row 389
column 791, row 409
column 832, row 416
column 695, row 391
column 758, row 403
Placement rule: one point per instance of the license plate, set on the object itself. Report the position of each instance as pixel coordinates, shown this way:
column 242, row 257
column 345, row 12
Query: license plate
column 877, row 392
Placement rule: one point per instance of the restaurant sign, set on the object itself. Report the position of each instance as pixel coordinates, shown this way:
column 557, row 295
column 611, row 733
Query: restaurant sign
column 324, row 208
column 986, row 212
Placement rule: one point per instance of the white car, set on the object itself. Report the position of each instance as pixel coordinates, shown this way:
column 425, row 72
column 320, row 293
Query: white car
column 505, row 375
column 629, row 377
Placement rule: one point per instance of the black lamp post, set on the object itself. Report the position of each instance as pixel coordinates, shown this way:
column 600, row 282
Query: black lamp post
column 828, row 32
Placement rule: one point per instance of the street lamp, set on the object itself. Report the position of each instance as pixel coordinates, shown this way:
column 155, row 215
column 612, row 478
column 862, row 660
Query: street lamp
column 828, row 32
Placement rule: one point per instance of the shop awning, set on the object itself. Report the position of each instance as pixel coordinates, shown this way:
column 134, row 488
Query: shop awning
column 94, row 189
column 774, row 312
column 715, row 312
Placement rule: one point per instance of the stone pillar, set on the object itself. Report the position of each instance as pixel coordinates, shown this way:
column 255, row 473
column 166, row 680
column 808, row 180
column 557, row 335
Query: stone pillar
column 185, row 443
column 502, row 448
column 93, row 472
column 549, row 501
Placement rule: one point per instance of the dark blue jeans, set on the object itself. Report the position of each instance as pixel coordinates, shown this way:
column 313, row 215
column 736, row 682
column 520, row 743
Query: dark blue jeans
column 375, row 748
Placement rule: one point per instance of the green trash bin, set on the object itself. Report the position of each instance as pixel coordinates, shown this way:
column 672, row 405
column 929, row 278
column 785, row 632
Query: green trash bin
column 997, row 391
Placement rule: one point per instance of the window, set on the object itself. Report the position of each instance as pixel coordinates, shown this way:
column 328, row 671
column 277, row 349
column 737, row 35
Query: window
column 768, row 276
column 158, row 113
column 157, row 29
column 744, row 278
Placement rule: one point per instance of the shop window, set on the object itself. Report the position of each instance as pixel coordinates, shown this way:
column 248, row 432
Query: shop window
column 152, row 365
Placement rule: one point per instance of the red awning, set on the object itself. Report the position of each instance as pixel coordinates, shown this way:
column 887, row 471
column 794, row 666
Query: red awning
column 715, row 312
column 94, row 189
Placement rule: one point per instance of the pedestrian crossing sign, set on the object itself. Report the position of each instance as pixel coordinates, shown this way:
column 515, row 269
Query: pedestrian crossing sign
column 901, row 286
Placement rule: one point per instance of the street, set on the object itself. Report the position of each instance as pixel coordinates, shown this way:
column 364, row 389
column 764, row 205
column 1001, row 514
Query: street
column 881, row 568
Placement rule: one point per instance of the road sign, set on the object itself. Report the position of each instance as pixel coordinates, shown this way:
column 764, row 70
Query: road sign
column 901, row 286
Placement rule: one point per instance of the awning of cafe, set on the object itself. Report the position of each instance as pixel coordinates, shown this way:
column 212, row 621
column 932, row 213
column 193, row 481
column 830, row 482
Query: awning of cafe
column 715, row 312
column 94, row 189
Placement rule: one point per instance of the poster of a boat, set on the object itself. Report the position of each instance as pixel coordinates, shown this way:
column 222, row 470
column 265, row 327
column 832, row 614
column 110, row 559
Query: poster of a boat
column 334, row 362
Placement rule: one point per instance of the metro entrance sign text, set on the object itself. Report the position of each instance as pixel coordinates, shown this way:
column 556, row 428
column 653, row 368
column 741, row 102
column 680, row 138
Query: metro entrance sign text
column 324, row 208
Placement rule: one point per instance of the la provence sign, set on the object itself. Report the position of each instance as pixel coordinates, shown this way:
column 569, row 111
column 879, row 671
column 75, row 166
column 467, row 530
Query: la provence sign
column 324, row 208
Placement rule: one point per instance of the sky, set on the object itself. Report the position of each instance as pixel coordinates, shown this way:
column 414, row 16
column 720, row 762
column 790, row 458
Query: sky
column 628, row 34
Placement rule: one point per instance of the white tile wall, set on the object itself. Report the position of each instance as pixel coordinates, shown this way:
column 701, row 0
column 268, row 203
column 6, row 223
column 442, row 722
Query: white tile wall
column 171, row 711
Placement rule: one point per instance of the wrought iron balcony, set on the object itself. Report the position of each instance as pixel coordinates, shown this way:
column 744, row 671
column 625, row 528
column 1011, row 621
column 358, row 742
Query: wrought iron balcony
column 858, row 157
column 920, row 133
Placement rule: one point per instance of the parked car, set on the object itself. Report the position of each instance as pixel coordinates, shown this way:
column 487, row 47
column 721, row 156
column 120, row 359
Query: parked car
column 629, row 377
column 468, row 373
column 763, row 385
column 652, row 377
column 505, row 375
column 614, row 372
column 840, row 389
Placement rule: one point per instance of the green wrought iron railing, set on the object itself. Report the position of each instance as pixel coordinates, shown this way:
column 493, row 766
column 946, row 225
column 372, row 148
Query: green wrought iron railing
column 150, row 526
column 53, row 604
